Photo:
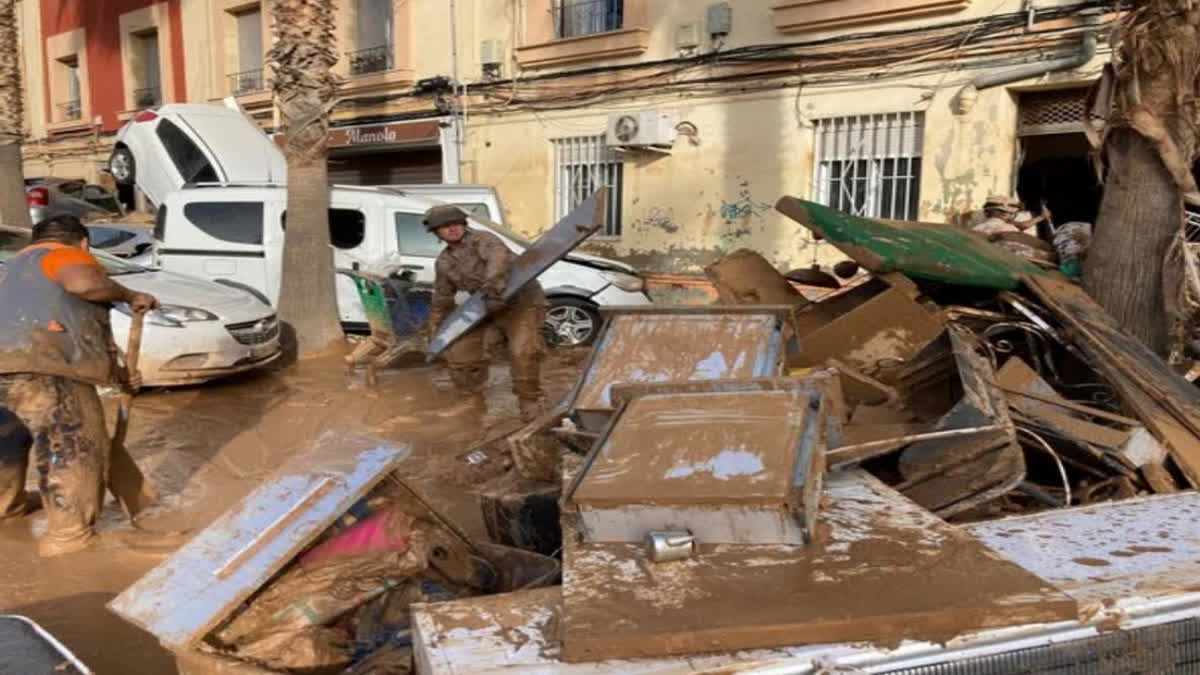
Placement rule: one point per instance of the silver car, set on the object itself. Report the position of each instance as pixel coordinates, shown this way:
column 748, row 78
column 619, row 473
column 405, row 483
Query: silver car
column 48, row 197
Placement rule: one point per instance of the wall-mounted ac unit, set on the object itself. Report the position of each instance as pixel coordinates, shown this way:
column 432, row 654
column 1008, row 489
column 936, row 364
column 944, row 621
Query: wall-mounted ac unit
column 650, row 129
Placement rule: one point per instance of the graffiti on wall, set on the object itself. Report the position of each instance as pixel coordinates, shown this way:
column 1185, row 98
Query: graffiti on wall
column 745, row 206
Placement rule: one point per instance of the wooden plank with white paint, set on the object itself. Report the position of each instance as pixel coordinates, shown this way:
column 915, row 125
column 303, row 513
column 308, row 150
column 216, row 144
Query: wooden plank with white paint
column 188, row 594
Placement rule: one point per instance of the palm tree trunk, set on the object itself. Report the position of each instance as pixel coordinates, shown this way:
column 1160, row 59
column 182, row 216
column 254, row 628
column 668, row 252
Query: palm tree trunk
column 304, row 90
column 1149, row 147
column 14, row 210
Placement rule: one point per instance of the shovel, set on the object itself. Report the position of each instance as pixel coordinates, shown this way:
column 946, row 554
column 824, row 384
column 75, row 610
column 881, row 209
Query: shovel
column 125, row 479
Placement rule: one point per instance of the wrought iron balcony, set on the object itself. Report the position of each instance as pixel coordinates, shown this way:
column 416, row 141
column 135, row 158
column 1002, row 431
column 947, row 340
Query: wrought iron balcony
column 147, row 97
column 71, row 110
column 371, row 60
column 587, row 17
column 246, row 82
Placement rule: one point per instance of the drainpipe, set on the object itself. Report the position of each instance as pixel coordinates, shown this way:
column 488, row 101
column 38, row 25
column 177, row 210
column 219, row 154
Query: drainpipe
column 965, row 99
column 460, row 127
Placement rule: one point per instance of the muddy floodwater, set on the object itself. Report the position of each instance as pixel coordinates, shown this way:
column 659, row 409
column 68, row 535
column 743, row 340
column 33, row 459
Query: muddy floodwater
column 204, row 447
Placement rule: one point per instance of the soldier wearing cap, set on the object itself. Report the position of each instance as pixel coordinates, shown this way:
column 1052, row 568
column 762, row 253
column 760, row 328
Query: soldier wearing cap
column 477, row 260
column 1000, row 212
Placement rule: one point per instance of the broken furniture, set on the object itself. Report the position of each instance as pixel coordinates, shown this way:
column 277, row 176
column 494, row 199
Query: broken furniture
column 727, row 466
column 1107, row 388
column 663, row 343
column 317, row 566
column 885, row 570
column 583, row 221
column 1128, row 564
column 872, row 328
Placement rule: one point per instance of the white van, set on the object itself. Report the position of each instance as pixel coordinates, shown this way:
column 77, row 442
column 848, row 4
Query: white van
column 233, row 234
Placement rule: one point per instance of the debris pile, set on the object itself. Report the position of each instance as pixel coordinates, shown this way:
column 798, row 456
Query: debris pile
column 763, row 473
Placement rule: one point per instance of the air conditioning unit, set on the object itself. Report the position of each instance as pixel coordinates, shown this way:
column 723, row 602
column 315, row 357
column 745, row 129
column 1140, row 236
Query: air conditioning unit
column 649, row 129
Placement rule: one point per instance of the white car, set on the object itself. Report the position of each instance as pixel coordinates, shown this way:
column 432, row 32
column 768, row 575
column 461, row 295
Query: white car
column 220, row 184
column 122, row 241
column 161, row 150
column 203, row 330
column 234, row 234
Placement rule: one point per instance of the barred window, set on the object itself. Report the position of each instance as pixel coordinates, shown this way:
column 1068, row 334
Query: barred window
column 870, row 165
column 573, row 18
column 583, row 165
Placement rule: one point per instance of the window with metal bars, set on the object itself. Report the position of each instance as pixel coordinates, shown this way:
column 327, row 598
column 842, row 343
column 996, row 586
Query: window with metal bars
column 870, row 165
column 573, row 18
column 583, row 165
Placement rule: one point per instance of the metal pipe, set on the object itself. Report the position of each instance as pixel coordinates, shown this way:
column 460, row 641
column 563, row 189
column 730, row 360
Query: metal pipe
column 965, row 99
column 459, row 124
column 1087, row 50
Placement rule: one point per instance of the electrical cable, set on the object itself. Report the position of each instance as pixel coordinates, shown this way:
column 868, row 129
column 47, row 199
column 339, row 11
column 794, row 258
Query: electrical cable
column 1061, row 469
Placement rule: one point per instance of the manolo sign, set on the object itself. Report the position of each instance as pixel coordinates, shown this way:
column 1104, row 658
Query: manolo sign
column 384, row 134
column 398, row 133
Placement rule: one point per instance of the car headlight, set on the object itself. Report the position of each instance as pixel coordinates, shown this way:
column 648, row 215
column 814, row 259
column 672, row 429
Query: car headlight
column 626, row 282
column 171, row 316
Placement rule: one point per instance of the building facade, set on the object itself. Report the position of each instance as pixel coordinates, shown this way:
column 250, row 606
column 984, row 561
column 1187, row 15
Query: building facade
column 696, row 115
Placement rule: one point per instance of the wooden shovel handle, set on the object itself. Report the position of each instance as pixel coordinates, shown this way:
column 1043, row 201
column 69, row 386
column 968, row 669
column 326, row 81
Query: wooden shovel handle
column 134, row 346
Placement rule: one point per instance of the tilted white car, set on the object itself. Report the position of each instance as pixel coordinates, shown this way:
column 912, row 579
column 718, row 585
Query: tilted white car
column 160, row 150
column 204, row 330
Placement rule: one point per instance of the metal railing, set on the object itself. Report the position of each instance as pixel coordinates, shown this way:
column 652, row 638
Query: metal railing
column 71, row 110
column 586, row 17
column 148, row 96
column 370, row 60
column 246, row 82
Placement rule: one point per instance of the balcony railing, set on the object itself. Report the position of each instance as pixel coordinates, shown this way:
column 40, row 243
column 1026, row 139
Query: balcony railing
column 371, row 60
column 246, row 82
column 71, row 110
column 147, row 97
column 587, row 17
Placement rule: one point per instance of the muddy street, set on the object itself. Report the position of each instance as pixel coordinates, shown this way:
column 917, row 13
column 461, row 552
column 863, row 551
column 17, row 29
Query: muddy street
column 206, row 446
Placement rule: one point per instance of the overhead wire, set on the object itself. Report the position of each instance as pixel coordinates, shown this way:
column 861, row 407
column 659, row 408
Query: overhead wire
column 864, row 57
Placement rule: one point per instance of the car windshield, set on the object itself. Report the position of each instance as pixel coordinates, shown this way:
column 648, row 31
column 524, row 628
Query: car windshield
column 112, row 264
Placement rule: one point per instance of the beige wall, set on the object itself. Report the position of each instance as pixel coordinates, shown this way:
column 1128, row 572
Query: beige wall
column 684, row 209
column 29, row 19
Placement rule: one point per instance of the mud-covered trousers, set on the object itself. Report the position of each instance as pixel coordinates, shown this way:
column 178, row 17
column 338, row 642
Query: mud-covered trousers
column 62, row 421
column 522, row 327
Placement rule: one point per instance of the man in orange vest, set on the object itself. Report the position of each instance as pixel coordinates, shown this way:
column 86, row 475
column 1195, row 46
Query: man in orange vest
column 56, row 345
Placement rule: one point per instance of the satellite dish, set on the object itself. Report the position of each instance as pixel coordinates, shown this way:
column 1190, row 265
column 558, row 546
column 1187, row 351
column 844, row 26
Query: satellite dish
column 626, row 128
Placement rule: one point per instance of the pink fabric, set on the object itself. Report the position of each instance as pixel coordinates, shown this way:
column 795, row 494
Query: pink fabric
column 382, row 532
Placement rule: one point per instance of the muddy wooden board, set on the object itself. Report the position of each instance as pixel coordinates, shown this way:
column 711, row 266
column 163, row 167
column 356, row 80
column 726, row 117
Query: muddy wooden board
column 664, row 344
column 1106, row 552
column 1167, row 404
column 951, row 475
column 888, row 329
column 730, row 467
column 882, row 569
column 189, row 593
column 517, row 633
column 550, row 247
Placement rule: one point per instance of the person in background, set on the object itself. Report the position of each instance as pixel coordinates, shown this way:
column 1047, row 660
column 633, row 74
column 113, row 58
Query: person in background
column 57, row 347
column 472, row 261
column 1000, row 213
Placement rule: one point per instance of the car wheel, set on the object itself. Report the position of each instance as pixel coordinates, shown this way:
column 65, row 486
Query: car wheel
column 570, row 322
column 122, row 166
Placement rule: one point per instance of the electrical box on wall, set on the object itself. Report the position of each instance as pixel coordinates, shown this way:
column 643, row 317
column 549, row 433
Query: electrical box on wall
column 649, row 129
column 720, row 19
column 687, row 36
column 491, row 57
